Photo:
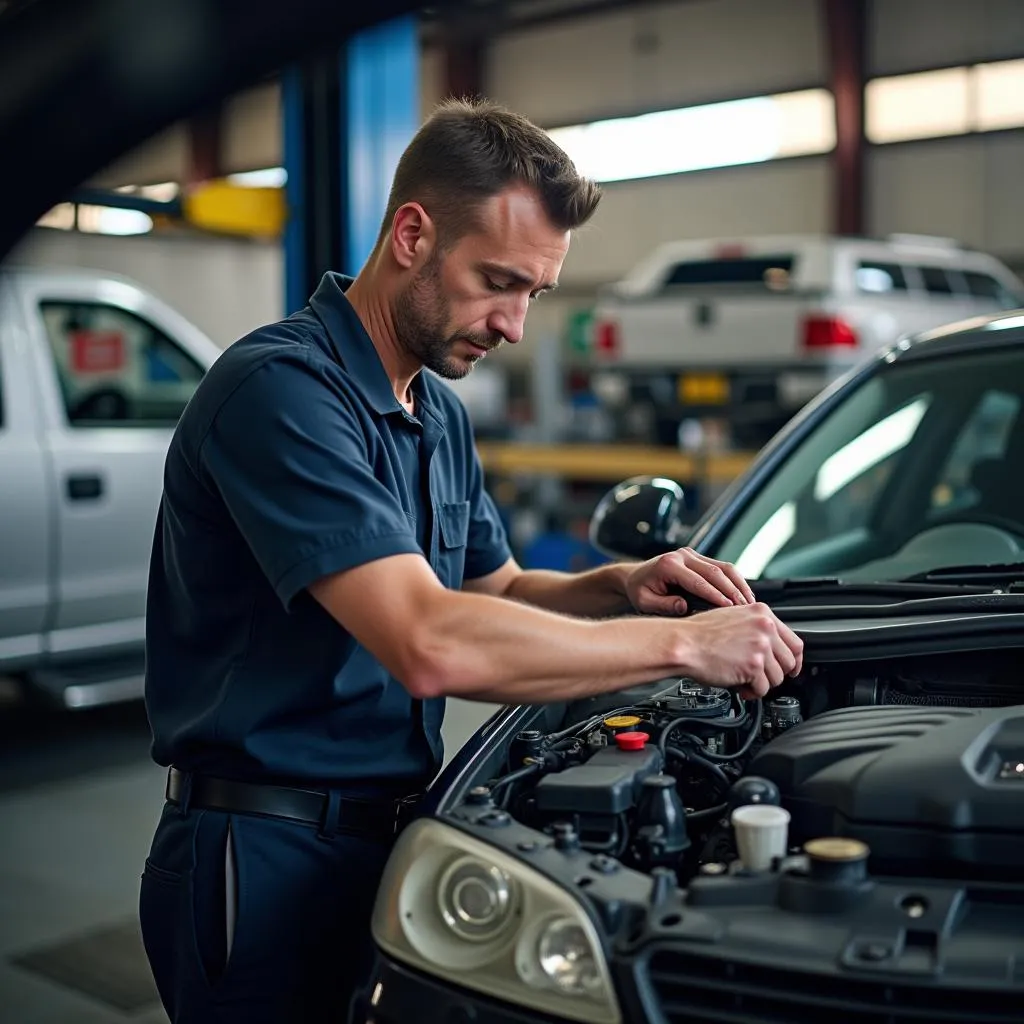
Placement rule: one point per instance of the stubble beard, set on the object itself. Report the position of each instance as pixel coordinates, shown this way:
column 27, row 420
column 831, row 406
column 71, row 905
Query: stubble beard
column 423, row 329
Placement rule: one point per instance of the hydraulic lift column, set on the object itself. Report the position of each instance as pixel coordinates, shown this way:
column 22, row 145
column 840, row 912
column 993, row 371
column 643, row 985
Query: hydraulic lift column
column 347, row 117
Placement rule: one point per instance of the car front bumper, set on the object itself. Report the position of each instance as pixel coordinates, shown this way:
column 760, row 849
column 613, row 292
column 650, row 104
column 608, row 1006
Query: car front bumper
column 399, row 995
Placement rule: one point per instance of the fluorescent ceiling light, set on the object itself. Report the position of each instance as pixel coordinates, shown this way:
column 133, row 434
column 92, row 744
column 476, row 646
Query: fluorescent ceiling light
column 268, row 177
column 868, row 449
column 693, row 138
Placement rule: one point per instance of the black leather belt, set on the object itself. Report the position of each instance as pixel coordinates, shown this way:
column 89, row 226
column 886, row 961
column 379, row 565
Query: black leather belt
column 308, row 806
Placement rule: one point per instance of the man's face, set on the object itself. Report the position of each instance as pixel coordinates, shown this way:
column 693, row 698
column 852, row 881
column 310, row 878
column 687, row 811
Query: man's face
column 465, row 302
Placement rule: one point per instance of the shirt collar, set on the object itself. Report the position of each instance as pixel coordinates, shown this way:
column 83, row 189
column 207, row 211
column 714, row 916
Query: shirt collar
column 353, row 346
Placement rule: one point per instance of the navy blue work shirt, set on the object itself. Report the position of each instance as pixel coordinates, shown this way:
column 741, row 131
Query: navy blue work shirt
column 295, row 460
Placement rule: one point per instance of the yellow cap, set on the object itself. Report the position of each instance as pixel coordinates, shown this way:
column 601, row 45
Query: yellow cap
column 836, row 848
column 622, row 721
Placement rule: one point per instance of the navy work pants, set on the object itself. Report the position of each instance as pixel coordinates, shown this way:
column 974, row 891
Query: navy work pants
column 258, row 920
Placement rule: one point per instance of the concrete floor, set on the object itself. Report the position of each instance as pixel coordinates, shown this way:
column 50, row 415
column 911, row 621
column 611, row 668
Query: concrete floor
column 78, row 801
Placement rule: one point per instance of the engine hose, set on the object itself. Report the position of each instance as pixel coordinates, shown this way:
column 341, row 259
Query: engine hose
column 709, row 812
column 755, row 731
column 520, row 773
column 590, row 723
column 699, row 762
column 709, row 723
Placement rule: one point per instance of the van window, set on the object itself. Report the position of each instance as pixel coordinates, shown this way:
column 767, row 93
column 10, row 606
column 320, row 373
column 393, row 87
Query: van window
column 115, row 368
column 879, row 278
column 772, row 273
column 984, row 286
column 936, row 280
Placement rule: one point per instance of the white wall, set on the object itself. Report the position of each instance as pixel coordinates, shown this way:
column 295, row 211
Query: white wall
column 658, row 57
column 971, row 189
column 225, row 287
column 913, row 35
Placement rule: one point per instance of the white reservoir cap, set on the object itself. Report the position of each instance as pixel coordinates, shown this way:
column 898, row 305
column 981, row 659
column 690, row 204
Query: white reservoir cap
column 761, row 834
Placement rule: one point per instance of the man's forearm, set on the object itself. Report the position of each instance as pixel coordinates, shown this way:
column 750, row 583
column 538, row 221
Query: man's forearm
column 594, row 594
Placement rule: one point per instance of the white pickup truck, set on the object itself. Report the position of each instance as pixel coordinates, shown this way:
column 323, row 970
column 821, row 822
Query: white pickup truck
column 749, row 329
column 94, row 373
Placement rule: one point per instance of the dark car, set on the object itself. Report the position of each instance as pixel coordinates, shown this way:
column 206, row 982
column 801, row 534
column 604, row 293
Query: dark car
column 580, row 861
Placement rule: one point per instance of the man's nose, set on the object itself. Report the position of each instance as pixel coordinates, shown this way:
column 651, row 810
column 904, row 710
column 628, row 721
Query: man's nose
column 510, row 319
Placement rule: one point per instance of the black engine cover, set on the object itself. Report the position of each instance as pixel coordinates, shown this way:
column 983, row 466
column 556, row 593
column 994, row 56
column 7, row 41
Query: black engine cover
column 931, row 788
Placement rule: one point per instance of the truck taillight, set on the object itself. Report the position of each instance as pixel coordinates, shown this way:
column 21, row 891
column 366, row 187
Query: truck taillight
column 606, row 337
column 828, row 332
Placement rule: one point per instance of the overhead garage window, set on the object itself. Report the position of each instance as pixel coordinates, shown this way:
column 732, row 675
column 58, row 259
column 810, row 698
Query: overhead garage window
column 726, row 134
column 117, row 369
column 947, row 101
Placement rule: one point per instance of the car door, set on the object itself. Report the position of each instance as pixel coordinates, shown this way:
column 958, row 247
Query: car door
column 25, row 567
column 120, row 368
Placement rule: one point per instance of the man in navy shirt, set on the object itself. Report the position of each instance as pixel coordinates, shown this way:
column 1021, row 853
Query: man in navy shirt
column 327, row 568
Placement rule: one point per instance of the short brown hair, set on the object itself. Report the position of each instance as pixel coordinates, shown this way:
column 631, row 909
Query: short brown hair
column 469, row 150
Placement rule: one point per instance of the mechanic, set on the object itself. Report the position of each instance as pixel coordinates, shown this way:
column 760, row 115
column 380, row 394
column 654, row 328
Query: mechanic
column 327, row 568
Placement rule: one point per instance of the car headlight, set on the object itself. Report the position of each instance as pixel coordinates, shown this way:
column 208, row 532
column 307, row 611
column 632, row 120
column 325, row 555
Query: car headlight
column 462, row 910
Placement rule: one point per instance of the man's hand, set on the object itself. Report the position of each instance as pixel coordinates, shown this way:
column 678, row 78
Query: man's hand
column 652, row 586
column 746, row 648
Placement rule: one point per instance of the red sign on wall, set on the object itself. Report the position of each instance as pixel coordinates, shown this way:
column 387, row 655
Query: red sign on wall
column 96, row 351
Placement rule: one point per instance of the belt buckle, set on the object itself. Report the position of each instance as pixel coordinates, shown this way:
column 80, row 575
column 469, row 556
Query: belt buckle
column 405, row 810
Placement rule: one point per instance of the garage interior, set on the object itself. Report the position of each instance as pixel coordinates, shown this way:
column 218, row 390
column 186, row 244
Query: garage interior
column 900, row 119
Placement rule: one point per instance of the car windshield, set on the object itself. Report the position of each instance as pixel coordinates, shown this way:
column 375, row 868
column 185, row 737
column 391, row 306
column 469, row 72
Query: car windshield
column 919, row 468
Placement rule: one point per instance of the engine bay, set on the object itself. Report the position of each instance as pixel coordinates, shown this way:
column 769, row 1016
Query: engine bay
column 848, row 848
column 919, row 759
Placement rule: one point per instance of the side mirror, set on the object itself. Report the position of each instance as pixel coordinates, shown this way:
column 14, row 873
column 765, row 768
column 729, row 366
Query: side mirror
column 639, row 518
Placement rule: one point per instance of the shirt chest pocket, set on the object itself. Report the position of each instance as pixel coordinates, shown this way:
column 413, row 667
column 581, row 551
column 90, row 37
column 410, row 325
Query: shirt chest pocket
column 453, row 532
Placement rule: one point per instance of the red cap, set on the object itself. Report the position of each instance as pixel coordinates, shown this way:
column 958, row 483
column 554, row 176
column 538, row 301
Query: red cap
column 631, row 740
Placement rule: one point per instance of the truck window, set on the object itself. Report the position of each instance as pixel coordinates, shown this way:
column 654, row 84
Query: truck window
column 115, row 368
column 880, row 278
column 936, row 281
column 984, row 286
column 772, row 273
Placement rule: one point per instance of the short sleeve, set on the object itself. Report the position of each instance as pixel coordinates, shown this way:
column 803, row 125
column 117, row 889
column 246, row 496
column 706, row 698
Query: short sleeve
column 288, row 453
column 487, row 547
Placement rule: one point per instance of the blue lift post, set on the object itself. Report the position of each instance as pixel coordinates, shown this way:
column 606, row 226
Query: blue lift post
column 347, row 118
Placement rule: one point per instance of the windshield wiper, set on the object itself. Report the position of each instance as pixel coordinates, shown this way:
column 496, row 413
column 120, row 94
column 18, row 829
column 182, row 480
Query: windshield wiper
column 816, row 597
column 777, row 590
column 1008, row 576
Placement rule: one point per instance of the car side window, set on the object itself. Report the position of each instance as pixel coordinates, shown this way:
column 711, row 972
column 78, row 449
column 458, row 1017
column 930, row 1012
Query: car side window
column 880, row 278
column 936, row 280
column 984, row 286
column 116, row 368
column 976, row 466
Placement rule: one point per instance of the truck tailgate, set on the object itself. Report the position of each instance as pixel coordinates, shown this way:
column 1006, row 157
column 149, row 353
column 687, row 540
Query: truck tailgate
column 705, row 330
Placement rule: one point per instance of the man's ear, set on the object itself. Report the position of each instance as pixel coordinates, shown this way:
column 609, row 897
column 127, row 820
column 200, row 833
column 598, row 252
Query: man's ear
column 413, row 235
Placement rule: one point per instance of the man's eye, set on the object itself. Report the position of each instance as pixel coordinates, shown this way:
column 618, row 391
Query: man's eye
column 496, row 286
